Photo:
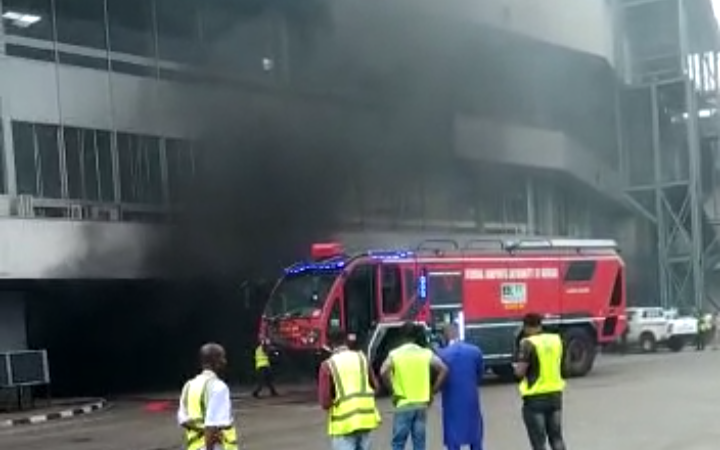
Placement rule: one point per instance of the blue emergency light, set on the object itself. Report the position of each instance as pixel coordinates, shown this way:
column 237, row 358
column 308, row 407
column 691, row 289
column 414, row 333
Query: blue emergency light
column 422, row 286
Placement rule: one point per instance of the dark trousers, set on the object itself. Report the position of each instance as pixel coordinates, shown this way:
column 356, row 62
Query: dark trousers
column 542, row 415
column 700, row 340
column 264, row 380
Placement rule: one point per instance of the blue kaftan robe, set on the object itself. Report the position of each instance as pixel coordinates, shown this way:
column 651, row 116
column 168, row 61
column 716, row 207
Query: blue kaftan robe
column 461, row 413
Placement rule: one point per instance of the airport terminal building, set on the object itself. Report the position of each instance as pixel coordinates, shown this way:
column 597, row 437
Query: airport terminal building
column 530, row 101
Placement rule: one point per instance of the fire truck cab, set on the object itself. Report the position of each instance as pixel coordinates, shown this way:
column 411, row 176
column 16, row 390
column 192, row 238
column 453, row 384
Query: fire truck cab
column 485, row 285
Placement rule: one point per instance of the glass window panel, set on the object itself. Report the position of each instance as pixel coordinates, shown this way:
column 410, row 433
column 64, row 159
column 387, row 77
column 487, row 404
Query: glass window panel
column 125, row 159
column 89, row 160
column 28, row 18
column 38, row 54
column 73, row 162
column 131, row 26
column 178, row 29
column 152, row 173
column 140, row 174
column 103, row 145
column 3, row 174
column 24, row 143
column 89, row 62
column 91, row 179
column 81, row 22
column 132, row 69
column 49, row 155
column 180, row 168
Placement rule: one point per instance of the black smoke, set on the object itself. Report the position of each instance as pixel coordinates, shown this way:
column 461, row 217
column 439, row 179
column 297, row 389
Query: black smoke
column 277, row 163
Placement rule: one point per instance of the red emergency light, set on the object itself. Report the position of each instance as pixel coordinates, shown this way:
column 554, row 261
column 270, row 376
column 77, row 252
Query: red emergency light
column 326, row 250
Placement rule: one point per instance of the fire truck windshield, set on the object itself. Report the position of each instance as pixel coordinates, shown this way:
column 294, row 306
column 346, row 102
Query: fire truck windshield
column 298, row 295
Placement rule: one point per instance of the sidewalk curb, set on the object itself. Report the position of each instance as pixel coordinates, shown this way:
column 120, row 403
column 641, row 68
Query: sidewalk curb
column 234, row 397
column 80, row 410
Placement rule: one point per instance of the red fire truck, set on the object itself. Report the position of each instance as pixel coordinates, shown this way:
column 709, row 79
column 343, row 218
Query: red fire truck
column 485, row 285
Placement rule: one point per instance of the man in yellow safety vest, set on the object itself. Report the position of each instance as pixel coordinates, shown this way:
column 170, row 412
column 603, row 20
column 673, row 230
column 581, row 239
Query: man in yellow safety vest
column 408, row 372
column 263, row 369
column 539, row 368
column 205, row 411
column 346, row 390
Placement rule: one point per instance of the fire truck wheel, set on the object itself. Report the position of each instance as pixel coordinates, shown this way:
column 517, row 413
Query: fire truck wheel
column 648, row 343
column 580, row 352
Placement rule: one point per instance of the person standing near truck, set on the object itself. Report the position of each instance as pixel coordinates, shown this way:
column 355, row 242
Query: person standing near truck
column 539, row 368
column 461, row 414
column 263, row 369
column 346, row 390
column 407, row 371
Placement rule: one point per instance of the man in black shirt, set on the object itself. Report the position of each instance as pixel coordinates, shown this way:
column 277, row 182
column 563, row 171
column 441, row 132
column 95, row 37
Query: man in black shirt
column 539, row 368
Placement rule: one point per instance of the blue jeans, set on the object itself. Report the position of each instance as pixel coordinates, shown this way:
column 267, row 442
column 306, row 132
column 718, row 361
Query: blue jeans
column 359, row 440
column 409, row 423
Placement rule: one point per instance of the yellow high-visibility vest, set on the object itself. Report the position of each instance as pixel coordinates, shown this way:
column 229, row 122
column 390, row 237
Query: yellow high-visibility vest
column 194, row 397
column 549, row 351
column 411, row 375
column 354, row 407
column 261, row 358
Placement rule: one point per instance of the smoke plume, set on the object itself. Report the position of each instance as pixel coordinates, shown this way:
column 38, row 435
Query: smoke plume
column 276, row 165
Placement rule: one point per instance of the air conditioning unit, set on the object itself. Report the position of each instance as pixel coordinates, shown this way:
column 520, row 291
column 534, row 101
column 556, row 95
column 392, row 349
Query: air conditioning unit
column 25, row 206
column 105, row 213
column 77, row 212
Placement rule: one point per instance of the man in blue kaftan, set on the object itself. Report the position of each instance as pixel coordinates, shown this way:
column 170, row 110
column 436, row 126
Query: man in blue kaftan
column 461, row 413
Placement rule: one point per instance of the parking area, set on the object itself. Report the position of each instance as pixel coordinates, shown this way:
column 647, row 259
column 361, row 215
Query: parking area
column 628, row 403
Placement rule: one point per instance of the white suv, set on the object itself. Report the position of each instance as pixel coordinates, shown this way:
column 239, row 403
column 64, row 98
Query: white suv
column 650, row 327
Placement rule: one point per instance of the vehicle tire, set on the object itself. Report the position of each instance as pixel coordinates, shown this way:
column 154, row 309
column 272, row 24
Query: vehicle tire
column 504, row 372
column 580, row 352
column 676, row 343
column 648, row 343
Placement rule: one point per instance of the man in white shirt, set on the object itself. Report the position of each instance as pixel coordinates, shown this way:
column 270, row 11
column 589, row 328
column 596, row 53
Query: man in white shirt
column 205, row 410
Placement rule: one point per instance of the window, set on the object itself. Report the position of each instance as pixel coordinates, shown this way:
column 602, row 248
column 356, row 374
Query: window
column 140, row 175
column 100, row 164
column 48, row 152
column 29, row 18
column 37, row 159
column 131, row 26
column 72, row 138
column 88, row 160
column 411, row 284
column 445, row 288
column 81, row 22
column 3, row 180
column 24, row 143
column 392, row 293
column 580, row 271
column 335, row 318
column 180, row 168
column 178, row 24
column 37, row 54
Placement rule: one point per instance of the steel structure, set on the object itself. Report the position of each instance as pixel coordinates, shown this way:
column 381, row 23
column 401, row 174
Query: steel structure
column 667, row 54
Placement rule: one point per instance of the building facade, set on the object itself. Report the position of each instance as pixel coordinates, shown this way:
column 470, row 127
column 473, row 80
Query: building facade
column 496, row 116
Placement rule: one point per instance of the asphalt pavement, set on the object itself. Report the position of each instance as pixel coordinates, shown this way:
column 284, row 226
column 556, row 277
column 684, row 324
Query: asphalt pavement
column 663, row 401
